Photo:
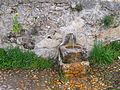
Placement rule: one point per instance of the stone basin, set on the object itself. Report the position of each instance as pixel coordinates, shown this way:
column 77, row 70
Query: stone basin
column 70, row 51
column 71, row 54
column 71, row 46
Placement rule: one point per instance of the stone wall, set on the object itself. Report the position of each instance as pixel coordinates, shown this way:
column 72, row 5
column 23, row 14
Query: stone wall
column 51, row 20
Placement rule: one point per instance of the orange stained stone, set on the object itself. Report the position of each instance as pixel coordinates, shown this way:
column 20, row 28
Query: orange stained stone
column 74, row 69
column 69, row 75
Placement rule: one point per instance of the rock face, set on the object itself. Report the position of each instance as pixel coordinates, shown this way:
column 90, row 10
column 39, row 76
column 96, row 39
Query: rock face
column 47, row 43
column 48, row 21
column 47, row 48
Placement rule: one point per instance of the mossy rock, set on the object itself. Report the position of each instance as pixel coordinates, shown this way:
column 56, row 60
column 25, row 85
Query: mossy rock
column 110, row 21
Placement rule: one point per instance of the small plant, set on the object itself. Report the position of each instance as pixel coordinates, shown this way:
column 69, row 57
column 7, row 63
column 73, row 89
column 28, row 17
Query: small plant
column 102, row 55
column 15, row 58
column 17, row 27
column 62, row 77
column 78, row 8
column 108, row 20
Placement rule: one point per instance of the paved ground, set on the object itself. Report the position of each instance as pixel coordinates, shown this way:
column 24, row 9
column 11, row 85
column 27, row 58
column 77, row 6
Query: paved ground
column 25, row 79
column 107, row 78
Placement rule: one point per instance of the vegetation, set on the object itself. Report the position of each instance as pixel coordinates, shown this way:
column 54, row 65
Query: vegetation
column 17, row 27
column 102, row 55
column 78, row 8
column 115, row 45
column 108, row 20
column 15, row 58
column 63, row 77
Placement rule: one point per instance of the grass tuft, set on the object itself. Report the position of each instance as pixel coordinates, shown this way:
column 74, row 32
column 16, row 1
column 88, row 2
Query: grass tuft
column 102, row 55
column 115, row 45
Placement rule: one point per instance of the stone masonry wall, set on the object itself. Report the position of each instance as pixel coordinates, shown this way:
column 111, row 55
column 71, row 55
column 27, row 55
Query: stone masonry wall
column 53, row 19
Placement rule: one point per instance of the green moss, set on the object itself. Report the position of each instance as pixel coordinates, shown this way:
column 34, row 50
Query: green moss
column 108, row 21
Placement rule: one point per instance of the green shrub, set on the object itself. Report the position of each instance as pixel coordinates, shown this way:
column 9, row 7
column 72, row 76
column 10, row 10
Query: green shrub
column 17, row 27
column 78, row 8
column 108, row 20
column 102, row 55
column 18, row 59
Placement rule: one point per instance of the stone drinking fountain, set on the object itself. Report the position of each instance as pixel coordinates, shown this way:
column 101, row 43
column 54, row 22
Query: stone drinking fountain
column 71, row 58
column 70, row 51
